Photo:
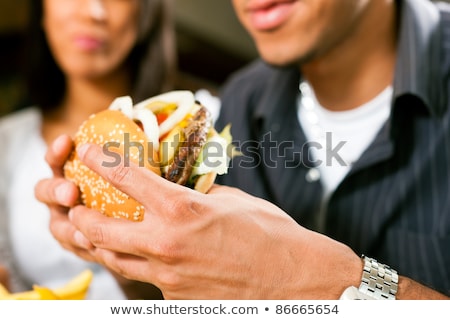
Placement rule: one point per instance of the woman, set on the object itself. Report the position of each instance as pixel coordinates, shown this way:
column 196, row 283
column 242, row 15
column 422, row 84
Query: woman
column 82, row 54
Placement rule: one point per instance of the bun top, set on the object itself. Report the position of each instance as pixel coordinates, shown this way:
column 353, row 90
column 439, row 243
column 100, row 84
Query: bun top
column 114, row 131
column 117, row 134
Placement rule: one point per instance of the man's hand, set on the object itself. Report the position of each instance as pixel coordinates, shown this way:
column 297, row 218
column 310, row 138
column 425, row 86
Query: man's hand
column 60, row 195
column 225, row 244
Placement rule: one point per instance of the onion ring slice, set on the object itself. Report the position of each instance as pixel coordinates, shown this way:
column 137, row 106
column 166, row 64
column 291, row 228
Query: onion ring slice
column 183, row 98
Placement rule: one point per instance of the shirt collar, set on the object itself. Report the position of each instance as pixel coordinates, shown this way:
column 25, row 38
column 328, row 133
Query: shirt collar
column 280, row 95
column 418, row 67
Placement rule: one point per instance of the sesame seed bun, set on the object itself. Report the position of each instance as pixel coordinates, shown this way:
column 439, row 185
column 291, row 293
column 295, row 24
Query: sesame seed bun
column 108, row 129
column 166, row 134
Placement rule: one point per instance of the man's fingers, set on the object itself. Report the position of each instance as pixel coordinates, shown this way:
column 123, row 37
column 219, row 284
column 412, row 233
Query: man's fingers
column 128, row 266
column 57, row 191
column 57, row 154
column 119, row 235
column 66, row 233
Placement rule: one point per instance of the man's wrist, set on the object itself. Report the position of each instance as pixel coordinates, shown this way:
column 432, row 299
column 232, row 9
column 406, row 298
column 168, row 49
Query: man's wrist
column 378, row 281
column 409, row 289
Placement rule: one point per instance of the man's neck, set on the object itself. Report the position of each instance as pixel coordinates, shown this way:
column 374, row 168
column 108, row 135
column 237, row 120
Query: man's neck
column 359, row 67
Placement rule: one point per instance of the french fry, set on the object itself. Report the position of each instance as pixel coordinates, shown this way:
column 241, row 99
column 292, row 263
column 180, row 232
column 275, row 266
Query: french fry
column 75, row 289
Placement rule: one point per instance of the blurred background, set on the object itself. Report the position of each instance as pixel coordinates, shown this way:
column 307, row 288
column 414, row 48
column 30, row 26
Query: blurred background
column 211, row 45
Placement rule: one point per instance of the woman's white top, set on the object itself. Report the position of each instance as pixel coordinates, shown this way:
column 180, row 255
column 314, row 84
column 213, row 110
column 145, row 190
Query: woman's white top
column 35, row 255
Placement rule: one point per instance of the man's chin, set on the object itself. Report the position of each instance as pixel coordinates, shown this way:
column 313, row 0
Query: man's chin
column 283, row 60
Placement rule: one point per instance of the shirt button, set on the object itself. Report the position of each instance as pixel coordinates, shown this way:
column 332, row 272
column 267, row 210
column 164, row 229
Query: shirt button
column 313, row 175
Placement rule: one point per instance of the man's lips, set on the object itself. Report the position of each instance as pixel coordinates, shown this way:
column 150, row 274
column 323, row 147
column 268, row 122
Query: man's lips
column 267, row 15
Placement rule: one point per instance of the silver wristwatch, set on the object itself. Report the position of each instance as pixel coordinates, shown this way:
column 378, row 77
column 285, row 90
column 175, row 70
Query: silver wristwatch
column 378, row 282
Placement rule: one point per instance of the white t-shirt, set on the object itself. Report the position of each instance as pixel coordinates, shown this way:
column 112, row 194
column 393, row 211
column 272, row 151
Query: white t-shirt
column 40, row 258
column 338, row 139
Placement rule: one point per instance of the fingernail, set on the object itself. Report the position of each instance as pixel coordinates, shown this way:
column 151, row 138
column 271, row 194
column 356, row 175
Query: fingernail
column 81, row 150
column 61, row 193
column 81, row 240
column 58, row 143
column 70, row 214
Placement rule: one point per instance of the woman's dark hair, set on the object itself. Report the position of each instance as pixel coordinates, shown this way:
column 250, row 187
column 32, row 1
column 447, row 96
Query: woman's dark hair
column 152, row 61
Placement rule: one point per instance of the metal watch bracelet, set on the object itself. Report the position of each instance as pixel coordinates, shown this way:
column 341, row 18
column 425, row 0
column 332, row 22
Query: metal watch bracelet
column 378, row 280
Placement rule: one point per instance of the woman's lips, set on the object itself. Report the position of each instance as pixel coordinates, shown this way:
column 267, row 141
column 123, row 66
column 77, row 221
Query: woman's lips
column 88, row 43
column 269, row 15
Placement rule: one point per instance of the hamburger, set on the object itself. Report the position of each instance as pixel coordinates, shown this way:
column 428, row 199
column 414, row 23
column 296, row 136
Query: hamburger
column 171, row 134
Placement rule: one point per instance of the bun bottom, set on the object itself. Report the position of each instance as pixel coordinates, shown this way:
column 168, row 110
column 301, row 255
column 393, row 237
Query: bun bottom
column 205, row 182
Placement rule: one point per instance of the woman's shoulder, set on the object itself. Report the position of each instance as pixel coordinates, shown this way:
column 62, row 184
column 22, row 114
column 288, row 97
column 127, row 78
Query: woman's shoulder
column 20, row 121
column 17, row 127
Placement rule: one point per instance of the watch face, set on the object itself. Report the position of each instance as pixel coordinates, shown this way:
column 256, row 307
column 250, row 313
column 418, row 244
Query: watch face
column 352, row 293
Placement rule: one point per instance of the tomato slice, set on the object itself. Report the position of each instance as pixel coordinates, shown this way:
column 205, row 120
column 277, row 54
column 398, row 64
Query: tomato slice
column 161, row 117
